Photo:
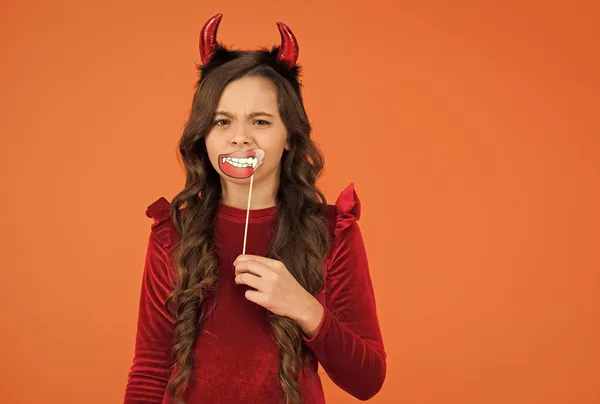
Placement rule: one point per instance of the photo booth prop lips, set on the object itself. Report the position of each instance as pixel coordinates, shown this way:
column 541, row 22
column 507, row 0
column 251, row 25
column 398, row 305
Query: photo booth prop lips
column 241, row 164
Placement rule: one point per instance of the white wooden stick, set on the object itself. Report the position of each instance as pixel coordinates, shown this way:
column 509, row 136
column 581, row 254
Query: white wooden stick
column 247, row 214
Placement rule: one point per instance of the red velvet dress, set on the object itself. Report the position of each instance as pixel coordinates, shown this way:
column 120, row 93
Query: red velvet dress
column 236, row 356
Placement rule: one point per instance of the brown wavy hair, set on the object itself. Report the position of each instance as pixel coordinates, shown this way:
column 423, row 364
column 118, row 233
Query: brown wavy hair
column 302, row 237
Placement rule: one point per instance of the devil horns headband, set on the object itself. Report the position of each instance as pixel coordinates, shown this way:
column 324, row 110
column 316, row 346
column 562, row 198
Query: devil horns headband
column 287, row 54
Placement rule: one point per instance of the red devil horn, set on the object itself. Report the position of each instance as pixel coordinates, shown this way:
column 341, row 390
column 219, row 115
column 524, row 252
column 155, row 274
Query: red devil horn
column 288, row 51
column 208, row 38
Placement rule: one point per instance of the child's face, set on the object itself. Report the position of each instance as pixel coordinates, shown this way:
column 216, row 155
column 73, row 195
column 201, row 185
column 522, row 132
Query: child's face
column 247, row 117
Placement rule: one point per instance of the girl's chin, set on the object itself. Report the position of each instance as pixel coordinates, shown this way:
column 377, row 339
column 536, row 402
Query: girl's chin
column 237, row 181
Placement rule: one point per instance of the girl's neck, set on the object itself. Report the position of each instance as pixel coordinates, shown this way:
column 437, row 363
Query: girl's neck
column 263, row 194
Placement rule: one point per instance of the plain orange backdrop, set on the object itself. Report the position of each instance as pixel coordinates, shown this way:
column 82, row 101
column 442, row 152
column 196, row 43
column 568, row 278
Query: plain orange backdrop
column 469, row 129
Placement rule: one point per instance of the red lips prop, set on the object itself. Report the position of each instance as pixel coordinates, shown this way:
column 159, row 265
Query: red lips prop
column 241, row 164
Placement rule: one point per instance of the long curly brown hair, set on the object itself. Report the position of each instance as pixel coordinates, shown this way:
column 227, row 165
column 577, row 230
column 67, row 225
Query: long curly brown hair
column 302, row 237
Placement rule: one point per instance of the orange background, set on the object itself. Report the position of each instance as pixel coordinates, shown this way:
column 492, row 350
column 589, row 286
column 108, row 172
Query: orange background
column 471, row 132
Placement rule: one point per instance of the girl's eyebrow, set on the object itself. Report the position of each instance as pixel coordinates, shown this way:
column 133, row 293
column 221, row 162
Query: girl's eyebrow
column 251, row 115
column 259, row 113
column 227, row 114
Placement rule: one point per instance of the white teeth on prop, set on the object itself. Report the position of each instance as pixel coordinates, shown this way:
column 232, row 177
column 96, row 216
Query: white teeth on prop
column 241, row 162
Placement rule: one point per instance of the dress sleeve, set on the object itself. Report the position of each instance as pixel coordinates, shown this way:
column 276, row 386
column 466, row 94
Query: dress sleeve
column 348, row 343
column 152, row 360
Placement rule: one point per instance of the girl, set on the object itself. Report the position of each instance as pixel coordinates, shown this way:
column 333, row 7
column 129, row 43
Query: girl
column 218, row 326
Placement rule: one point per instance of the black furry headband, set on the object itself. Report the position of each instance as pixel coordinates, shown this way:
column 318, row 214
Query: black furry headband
column 282, row 58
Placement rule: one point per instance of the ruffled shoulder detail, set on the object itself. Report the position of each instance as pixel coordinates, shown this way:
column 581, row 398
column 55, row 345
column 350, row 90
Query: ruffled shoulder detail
column 340, row 217
column 163, row 228
column 347, row 209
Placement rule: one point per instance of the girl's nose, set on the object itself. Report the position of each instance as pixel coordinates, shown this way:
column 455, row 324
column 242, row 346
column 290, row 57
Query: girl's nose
column 241, row 137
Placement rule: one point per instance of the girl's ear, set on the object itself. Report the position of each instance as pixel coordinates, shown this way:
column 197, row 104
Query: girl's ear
column 287, row 144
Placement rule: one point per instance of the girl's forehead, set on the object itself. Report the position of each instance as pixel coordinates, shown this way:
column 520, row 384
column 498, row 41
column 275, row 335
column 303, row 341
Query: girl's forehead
column 248, row 96
column 250, row 85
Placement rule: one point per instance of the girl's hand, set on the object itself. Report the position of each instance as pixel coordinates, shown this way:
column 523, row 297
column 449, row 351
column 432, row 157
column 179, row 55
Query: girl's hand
column 278, row 291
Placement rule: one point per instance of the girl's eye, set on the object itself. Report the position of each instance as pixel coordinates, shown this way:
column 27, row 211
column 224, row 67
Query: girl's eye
column 221, row 122
column 261, row 122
